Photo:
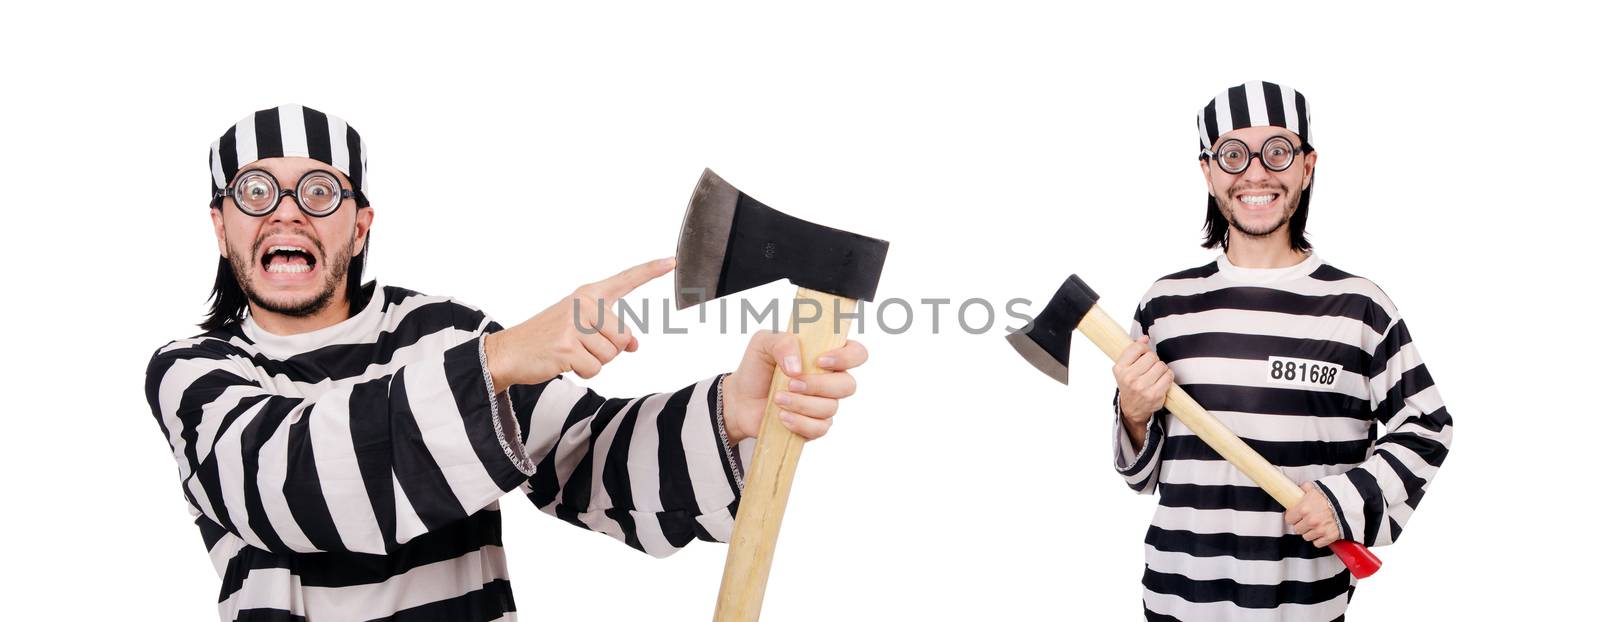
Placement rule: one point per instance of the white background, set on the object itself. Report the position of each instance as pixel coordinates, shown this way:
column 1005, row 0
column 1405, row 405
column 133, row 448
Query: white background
column 517, row 152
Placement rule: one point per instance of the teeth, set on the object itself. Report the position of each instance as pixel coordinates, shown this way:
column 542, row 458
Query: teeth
column 1256, row 199
column 291, row 268
column 287, row 248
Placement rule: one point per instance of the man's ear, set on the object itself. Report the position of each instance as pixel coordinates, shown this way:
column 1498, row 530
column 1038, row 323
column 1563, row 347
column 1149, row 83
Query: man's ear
column 363, row 225
column 222, row 233
column 1311, row 166
column 1205, row 171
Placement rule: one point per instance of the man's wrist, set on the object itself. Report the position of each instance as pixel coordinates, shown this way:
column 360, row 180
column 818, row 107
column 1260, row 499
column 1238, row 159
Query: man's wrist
column 497, row 367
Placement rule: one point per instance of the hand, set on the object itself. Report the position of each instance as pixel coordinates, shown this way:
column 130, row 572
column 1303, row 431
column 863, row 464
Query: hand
column 807, row 404
column 1142, row 384
column 1313, row 517
column 578, row 334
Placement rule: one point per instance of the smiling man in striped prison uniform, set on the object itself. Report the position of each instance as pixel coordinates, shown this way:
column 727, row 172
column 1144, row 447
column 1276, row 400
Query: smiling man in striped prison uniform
column 343, row 447
column 1301, row 360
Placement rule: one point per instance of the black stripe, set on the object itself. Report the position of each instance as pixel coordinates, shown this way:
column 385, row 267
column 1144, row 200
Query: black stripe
column 615, row 479
column 1338, row 512
column 302, row 488
column 1246, row 595
column 1396, row 339
column 1211, row 124
column 1248, row 298
column 1412, row 382
column 207, row 470
column 1274, row 97
column 1157, row 434
column 342, row 569
column 544, row 486
column 1252, row 347
column 464, row 371
column 576, row 494
column 1413, row 484
column 266, row 615
column 318, row 145
column 228, row 154
column 210, row 532
column 1277, row 400
column 352, row 142
column 487, row 603
column 262, row 428
column 269, row 137
column 1300, row 115
column 1326, row 272
column 1260, row 548
column 677, row 490
column 373, row 406
column 420, row 476
column 1197, row 272
column 1279, row 453
column 1372, row 503
column 1239, row 107
column 352, row 359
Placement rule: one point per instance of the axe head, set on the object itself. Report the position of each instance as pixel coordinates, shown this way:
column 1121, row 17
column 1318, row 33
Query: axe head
column 730, row 243
column 1047, row 340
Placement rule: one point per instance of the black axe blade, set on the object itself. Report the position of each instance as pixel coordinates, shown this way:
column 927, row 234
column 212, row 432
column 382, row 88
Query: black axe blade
column 730, row 243
column 1047, row 340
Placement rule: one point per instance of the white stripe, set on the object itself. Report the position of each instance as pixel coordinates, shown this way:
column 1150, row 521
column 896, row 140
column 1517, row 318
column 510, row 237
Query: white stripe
column 1302, row 286
column 600, row 498
column 1280, row 428
column 419, row 586
column 644, row 476
column 1291, row 114
column 1224, row 115
column 337, row 144
column 1250, row 524
column 227, row 546
column 229, row 457
column 244, row 141
column 292, row 129
column 1185, row 610
column 271, row 473
column 265, row 588
column 364, row 182
column 1247, row 571
column 1223, row 473
column 213, row 412
column 1256, row 99
column 1243, row 373
column 340, row 475
column 702, row 451
column 217, row 176
column 1348, row 331
column 444, row 433
column 549, row 414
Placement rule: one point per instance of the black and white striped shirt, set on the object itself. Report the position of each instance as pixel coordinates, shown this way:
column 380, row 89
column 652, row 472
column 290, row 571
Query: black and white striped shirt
column 1304, row 363
column 353, row 472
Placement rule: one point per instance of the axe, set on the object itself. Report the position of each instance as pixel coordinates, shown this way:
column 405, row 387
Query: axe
column 1047, row 342
column 730, row 243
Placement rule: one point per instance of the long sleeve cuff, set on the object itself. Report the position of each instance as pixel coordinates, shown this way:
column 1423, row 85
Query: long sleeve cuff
column 1357, row 503
column 1137, row 467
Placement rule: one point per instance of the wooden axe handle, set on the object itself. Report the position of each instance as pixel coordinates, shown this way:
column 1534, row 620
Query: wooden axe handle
column 777, row 452
column 1112, row 339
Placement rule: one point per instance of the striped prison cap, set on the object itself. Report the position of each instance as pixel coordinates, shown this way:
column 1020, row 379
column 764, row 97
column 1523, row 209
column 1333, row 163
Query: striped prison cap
column 1255, row 104
column 290, row 130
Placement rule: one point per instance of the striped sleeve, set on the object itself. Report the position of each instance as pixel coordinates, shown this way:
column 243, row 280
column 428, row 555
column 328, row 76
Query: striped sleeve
column 655, row 472
column 365, row 466
column 1137, row 466
column 1374, row 500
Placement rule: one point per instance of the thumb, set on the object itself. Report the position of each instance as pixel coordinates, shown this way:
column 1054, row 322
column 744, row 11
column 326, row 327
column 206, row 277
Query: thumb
column 779, row 349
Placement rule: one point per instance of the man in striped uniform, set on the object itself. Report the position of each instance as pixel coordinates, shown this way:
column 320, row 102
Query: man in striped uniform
column 1303, row 361
column 343, row 446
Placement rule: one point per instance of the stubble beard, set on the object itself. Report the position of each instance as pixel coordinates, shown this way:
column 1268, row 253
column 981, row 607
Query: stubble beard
column 1290, row 200
column 335, row 269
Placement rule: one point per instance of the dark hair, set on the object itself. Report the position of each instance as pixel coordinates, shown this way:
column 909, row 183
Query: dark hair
column 1216, row 228
column 228, row 301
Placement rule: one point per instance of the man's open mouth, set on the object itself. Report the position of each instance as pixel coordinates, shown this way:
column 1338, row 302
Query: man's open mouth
column 1257, row 199
column 288, row 259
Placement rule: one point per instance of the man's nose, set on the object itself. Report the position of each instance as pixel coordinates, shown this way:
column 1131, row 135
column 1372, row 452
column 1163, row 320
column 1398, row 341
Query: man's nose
column 288, row 210
column 1255, row 170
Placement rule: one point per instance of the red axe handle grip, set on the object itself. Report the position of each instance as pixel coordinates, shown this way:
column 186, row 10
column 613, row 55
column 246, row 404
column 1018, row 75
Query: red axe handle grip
column 1111, row 339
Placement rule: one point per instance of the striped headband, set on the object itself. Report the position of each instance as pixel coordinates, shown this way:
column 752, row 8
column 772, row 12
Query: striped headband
column 290, row 130
column 1255, row 104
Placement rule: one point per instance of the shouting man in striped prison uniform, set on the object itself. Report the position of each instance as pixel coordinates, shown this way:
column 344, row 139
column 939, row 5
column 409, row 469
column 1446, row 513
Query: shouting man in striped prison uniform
column 343, row 446
column 1301, row 360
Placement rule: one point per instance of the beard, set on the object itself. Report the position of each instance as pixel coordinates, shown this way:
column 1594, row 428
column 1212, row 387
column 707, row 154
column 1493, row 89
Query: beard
column 335, row 268
column 1289, row 198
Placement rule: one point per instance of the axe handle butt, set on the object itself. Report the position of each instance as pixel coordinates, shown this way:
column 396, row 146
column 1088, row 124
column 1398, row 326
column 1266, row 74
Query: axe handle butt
column 771, row 469
column 1112, row 339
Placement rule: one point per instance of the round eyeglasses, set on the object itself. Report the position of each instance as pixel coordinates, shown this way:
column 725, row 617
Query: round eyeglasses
column 256, row 192
column 1234, row 156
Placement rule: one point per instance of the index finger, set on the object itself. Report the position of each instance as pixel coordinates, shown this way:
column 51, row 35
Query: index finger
column 619, row 284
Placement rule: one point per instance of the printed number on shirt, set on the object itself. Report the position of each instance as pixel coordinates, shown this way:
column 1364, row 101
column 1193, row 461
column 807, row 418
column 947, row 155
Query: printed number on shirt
column 1301, row 372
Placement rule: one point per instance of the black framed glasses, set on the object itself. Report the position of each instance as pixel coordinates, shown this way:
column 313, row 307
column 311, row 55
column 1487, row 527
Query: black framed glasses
column 256, row 192
column 1234, row 156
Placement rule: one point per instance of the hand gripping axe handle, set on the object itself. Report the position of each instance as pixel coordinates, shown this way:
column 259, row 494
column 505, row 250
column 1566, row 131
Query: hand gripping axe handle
column 1047, row 342
column 730, row 243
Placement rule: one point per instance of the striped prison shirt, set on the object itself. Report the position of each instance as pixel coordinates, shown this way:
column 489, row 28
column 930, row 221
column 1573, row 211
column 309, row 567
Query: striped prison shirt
column 1304, row 364
column 353, row 472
